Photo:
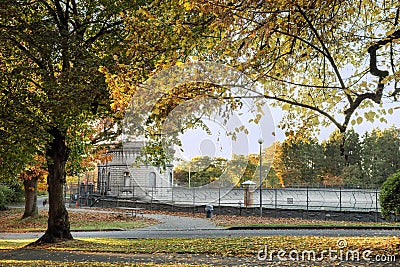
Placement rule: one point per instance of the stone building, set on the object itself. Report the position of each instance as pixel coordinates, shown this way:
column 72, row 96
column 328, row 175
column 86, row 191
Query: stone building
column 123, row 178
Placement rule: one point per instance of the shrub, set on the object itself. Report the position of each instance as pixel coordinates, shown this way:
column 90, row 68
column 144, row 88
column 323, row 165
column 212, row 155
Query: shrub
column 389, row 196
column 6, row 195
column 18, row 193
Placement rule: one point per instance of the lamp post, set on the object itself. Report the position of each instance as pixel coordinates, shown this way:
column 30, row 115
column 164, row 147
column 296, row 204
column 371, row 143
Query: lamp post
column 189, row 178
column 260, row 141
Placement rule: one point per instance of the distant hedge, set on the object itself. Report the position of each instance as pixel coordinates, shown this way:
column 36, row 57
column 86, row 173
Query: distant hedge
column 389, row 196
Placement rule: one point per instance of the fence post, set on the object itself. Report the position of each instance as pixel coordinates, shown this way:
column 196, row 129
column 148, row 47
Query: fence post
column 307, row 199
column 152, row 195
column 340, row 199
column 219, row 200
column 172, row 198
column 194, row 199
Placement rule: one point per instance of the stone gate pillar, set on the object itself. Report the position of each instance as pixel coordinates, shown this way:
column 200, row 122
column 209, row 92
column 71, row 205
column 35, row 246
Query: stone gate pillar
column 249, row 188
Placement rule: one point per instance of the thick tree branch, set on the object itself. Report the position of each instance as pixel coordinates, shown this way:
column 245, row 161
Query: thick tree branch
column 373, row 64
column 374, row 70
column 372, row 50
column 388, row 39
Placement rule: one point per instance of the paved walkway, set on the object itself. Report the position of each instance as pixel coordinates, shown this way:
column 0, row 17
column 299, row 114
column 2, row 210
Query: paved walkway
column 168, row 222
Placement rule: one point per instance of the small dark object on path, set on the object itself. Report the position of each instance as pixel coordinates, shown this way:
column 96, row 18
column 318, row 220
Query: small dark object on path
column 44, row 203
column 209, row 211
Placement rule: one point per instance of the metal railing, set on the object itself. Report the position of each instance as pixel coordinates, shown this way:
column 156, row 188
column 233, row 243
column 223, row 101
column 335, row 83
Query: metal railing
column 330, row 199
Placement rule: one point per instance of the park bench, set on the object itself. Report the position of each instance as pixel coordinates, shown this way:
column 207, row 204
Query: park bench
column 133, row 212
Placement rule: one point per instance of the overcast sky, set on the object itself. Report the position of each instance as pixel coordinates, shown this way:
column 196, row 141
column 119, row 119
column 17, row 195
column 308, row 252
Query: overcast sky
column 199, row 142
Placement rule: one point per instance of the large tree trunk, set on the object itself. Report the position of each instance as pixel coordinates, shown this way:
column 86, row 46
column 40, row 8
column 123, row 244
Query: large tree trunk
column 31, row 208
column 58, row 227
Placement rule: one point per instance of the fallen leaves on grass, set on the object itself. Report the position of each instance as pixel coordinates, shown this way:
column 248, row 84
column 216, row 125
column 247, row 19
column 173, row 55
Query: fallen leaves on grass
column 234, row 220
column 238, row 247
column 90, row 220
column 215, row 251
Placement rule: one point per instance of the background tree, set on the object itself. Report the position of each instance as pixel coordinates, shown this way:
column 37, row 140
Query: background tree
column 353, row 176
column 269, row 155
column 334, row 165
column 203, row 170
column 381, row 151
column 371, row 158
column 30, row 177
column 299, row 161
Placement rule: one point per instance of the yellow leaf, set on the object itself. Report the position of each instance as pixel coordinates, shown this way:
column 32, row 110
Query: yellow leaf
column 188, row 6
column 286, row 106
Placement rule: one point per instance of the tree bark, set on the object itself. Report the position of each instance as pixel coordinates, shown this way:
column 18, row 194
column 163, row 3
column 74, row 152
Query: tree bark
column 58, row 227
column 31, row 208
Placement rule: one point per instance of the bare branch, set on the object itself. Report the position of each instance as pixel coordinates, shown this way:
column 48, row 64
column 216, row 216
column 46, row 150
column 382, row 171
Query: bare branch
column 341, row 127
column 326, row 53
column 302, row 85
